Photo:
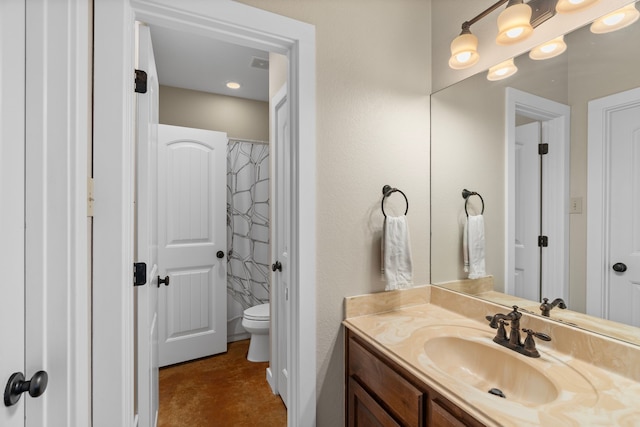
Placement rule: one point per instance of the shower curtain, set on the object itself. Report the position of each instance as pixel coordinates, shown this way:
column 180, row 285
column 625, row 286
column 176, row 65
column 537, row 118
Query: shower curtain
column 248, row 222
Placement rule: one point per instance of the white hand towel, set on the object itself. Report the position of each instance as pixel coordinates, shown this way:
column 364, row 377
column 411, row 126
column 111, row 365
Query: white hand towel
column 473, row 247
column 396, row 253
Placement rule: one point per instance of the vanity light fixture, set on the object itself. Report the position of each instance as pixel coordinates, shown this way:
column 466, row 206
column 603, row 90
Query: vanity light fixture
column 514, row 23
column 233, row 85
column 616, row 20
column 502, row 70
column 464, row 50
column 549, row 49
column 569, row 6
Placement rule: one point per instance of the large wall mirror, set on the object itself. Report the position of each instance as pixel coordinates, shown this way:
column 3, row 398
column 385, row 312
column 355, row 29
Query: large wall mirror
column 584, row 195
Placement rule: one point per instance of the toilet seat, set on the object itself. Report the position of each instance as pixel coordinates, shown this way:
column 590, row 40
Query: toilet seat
column 257, row 313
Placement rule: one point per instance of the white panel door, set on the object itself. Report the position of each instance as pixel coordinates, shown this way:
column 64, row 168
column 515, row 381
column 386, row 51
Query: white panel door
column 192, row 242
column 12, row 218
column 147, row 233
column 527, row 212
column 621, row 217
column 281, row 247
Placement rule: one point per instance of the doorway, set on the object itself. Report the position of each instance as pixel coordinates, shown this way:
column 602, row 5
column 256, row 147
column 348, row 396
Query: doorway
column 553, row 123
column 613, row 232
column 236, row 23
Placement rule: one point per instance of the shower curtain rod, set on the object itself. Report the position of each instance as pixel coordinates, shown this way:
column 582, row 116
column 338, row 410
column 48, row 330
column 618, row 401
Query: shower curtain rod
column 252, row 141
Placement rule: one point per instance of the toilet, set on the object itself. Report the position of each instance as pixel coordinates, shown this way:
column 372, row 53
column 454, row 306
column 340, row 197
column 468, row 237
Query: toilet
column 256, row 321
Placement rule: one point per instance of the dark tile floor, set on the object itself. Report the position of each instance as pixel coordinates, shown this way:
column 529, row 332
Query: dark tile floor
column 222, row 390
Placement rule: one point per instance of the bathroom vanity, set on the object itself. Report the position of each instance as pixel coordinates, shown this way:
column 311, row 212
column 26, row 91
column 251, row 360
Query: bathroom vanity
column 372, row 377
column 426, row 357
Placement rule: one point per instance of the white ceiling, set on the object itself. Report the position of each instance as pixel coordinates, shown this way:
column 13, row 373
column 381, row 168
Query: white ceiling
column 196, row 62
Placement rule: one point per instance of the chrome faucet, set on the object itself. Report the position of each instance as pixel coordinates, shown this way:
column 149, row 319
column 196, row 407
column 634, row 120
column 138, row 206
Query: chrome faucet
column 546, row 306
column 513, row 342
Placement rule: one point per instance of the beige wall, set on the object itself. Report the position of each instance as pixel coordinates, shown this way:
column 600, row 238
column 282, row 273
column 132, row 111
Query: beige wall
column 373, row 85
column 278, row 72
column 239, row 118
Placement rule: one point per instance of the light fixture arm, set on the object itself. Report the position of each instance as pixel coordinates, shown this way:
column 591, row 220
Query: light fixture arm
column 467, row 24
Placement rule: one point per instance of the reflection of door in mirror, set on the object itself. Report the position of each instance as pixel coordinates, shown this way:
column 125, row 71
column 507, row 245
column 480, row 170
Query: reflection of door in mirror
column 537, row 188
column 613, row 236
column 529, row 204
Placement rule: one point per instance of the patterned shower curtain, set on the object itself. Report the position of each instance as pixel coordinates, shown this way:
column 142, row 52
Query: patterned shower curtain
column 248, row 222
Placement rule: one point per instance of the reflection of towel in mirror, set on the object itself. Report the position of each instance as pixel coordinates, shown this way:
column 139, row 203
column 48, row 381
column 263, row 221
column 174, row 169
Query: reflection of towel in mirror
column 473, row 247
column 396, row 253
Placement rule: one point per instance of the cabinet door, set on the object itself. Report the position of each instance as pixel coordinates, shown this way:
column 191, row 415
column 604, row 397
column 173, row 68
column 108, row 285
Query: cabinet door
column 441, row 417
column 402, row 399
column 364, row 411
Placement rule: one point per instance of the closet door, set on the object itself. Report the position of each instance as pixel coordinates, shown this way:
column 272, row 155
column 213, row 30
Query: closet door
column 12, row 146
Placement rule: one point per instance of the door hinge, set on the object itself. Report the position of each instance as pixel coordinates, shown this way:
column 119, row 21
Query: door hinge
column 543, row 241
column 543, row 148
column 139, row 273
column 90, row 198
column 141, row 81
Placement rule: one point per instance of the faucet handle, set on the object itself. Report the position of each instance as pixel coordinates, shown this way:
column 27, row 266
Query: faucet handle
column 529, row 343
column 540, row 335
column 493, row 320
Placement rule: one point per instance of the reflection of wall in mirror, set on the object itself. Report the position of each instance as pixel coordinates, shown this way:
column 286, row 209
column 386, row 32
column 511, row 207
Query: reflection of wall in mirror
column 468, row 144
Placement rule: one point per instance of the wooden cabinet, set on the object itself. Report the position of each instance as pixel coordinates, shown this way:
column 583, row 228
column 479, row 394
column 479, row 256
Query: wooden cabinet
column 382, row 393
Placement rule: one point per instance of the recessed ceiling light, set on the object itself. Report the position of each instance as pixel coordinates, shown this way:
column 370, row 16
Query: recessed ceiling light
column 233, row 85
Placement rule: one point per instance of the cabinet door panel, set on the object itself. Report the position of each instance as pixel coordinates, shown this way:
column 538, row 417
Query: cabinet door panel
column 364, row 411
column 403, row 399
column 441, row 417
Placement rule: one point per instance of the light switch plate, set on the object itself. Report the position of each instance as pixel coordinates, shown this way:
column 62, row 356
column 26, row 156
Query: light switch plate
column 575, row 206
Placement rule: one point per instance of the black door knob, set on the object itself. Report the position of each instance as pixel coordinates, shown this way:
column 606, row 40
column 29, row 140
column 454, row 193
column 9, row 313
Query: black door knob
column 17, row 385
column 619, row 267
column 220, row 254
column 165, row 281
column 276, row 266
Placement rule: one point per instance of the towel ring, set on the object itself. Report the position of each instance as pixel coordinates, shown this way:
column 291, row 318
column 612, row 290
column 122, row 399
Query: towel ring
column 466, row 194
column 386, row 191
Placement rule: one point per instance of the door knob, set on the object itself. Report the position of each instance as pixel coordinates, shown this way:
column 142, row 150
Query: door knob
column 17, row 385
column 276, row 266
column 220, row 254
column 165, row 281
column 619, row 267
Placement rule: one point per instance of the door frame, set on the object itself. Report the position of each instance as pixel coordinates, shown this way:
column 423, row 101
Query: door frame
column 113, row 383
column 598, row 194
column 555, row 118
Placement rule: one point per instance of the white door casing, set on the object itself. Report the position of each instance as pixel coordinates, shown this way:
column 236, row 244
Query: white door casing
column 527, row 212
column 278, row 372
column 555, row 119
column 147, row 232
column 12, row 186
column 192, row 233
column 113, row 65
column 613, row 207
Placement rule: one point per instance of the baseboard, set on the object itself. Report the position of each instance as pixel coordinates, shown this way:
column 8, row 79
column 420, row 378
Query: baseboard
column 271, row 381
column 238, row 337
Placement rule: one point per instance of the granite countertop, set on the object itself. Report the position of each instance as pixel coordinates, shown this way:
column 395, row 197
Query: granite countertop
column 400, row 325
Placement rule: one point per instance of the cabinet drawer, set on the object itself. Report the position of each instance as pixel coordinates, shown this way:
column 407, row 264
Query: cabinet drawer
column 401, row 398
